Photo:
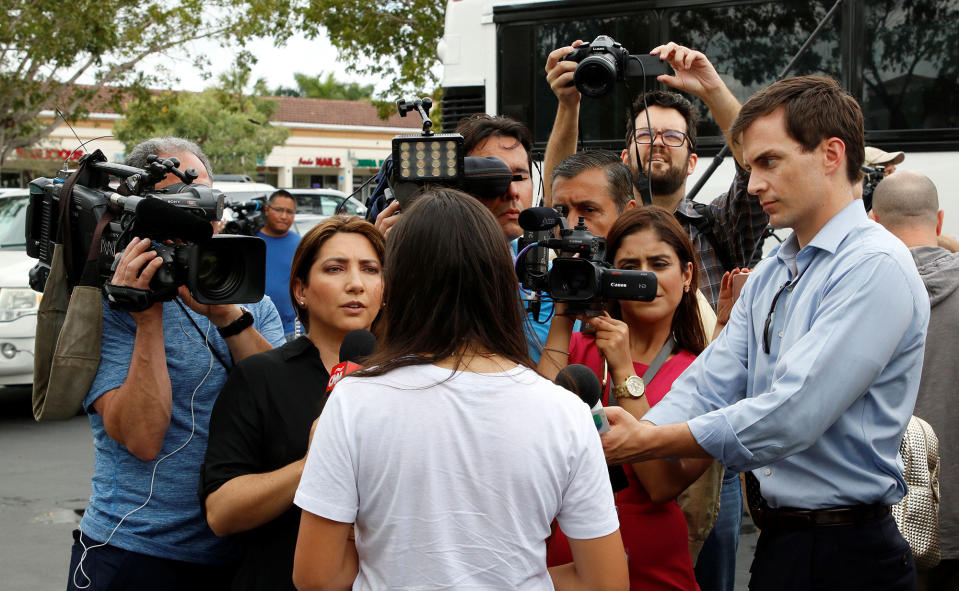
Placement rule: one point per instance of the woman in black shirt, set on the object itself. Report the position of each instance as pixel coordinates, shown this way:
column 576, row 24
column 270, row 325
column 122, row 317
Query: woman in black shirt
column 262, row 421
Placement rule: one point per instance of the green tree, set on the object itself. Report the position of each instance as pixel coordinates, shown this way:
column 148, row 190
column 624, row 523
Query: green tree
column 232, row 128
column 47, row 47
column 391, row 40
column 326, row 88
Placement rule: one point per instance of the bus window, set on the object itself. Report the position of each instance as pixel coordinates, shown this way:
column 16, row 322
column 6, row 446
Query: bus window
column 909, row 66
column 750, row 44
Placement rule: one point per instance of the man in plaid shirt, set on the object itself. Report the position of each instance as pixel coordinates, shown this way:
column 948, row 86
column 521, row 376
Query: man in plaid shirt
column 663, row 139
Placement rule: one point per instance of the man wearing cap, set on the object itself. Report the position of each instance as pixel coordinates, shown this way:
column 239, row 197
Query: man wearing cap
column 876, row 157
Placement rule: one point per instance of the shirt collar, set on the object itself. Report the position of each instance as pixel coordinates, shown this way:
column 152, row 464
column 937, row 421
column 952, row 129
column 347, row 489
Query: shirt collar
column 298, row 346
column 829, row 236
column 686, row 208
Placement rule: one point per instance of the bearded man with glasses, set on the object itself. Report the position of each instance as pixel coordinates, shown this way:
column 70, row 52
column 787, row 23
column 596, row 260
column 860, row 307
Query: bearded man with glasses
column 810, row 386
column 725, row 232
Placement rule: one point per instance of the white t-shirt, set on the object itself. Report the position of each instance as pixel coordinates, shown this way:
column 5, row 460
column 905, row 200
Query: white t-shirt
column 453, row 479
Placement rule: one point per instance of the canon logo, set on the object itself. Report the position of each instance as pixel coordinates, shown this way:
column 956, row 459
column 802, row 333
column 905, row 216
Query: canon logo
column 618, row 284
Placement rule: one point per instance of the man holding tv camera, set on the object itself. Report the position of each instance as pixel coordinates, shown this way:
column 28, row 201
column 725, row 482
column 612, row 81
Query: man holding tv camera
column 161, row 369
column 497, row 172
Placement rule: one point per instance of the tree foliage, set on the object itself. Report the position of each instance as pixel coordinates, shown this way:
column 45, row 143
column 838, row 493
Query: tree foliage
column 326, row 88
column 47, row 47
column 232, row 128
column 388, row 40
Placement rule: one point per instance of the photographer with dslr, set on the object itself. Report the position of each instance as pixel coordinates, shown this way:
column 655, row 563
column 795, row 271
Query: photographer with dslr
column 149, row 406
column 662, row 139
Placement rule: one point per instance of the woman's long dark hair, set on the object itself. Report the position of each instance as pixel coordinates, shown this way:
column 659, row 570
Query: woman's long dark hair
column 450, row 286
column 687, row 325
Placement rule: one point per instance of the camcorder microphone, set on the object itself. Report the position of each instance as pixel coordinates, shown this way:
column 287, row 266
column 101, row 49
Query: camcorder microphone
column 535, row 219
column 357, row 344
column 581, row 380
column 155, row 218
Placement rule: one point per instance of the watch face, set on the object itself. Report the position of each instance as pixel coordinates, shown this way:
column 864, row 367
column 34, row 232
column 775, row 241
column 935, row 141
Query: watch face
column 635, row 386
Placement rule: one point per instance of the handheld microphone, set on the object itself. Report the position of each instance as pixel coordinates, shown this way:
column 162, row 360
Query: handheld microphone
column 356, row 344
column 581, row 380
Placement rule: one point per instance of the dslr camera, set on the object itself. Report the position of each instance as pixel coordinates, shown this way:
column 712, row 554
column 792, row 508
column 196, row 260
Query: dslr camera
column 580, row 275
column 604, row 62
column 92, row 222
column 419, row 162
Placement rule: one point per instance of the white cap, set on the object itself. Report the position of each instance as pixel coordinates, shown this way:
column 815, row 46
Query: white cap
column 875, row 156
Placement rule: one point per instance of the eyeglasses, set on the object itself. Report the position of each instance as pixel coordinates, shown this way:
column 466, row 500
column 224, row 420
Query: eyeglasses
column 285, row 210
column 671, row 137
column 767, row 337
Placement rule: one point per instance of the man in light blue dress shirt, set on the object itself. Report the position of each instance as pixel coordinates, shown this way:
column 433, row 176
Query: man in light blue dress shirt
column 813, row 381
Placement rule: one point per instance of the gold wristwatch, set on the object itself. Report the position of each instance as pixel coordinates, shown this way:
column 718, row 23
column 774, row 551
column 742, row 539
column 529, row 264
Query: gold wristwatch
column 633, row 388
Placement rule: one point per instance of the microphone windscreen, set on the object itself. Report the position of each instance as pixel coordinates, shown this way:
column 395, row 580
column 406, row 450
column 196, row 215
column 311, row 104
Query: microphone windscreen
column 580, row 380
column 357, row 344
column 485, row 177
column 160, row 220
column 534, row 219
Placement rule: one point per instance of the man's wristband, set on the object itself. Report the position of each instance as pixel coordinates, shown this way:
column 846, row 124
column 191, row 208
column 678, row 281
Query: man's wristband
column 234, row 328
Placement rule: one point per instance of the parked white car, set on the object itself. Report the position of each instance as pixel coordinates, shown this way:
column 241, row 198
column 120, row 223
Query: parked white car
column 18, row 303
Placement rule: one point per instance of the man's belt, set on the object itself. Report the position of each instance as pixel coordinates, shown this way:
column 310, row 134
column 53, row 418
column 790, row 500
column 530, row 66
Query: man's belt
column 788, row 518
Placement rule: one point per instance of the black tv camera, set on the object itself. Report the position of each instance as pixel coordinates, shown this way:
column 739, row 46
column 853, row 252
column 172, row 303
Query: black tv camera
column 246, row 217
column 580, row 275
column 419, row 162
column 604, row 62
column 873, row 176
column 92, row 222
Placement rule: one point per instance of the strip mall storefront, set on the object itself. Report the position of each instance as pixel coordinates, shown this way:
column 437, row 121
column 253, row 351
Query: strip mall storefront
column 316, row 154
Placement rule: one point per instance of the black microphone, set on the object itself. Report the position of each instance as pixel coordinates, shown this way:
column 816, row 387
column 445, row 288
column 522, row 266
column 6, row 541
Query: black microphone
column 581, row 380
column 539, row 218
column 356, row 344
column 157, row 219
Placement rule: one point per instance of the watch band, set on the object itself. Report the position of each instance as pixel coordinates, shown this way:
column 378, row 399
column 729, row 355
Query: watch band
column 242, row 323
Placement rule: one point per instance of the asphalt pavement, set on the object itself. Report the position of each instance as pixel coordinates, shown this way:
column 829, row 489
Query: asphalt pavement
column 45, row 473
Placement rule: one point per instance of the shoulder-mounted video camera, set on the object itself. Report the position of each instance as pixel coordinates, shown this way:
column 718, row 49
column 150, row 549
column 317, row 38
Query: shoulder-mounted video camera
column 421, row 161
column 92, row 222
column 580, row 275
column 604, row 62
column 873, row 176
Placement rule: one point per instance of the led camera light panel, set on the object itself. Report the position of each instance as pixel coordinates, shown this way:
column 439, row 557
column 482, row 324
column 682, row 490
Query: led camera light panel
column 420, row 158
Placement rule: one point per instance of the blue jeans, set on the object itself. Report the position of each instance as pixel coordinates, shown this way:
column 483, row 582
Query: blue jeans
column 716, row 565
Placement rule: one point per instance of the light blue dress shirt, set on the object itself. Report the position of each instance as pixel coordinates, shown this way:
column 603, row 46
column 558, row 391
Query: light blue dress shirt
column 819, row 419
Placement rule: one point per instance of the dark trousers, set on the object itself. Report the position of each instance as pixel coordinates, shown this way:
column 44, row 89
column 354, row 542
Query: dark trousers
column 858, row 557
column 109, row 568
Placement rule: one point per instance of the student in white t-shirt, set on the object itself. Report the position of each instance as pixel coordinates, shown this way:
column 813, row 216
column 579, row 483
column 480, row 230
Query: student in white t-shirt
column 452, row 457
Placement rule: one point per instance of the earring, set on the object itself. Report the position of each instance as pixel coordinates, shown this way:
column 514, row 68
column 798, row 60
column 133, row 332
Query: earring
column 685, row 288
column 302, row 303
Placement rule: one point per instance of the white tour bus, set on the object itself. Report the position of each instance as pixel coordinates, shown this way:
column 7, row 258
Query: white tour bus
column 897, row 57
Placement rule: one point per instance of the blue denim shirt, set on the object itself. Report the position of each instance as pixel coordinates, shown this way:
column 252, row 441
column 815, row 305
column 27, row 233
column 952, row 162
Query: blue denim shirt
column 819, row 419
